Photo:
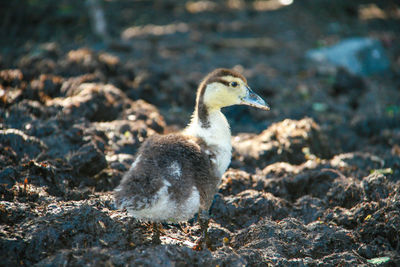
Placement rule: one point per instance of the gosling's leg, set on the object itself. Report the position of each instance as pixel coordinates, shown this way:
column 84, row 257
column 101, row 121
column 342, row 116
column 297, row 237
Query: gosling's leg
column 204, row 241
column 156, row 234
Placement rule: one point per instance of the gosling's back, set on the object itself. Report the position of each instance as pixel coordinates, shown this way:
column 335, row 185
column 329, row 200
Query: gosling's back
column 171, row 178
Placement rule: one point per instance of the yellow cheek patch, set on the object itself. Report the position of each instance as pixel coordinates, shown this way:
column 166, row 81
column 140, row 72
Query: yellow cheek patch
column 218, row 95
column 228, row 97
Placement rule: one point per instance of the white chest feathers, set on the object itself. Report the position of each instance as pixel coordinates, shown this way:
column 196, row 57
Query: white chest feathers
column 217, row 136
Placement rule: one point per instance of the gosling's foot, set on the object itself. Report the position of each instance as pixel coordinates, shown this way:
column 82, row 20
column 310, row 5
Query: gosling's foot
column 202, row 244
column 204, row 241
column 155, row 238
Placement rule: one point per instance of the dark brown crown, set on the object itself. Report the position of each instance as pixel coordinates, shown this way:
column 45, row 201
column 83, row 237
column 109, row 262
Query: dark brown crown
column 217, row 74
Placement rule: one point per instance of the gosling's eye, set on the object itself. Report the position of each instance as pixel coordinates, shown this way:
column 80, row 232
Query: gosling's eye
column 234, row 84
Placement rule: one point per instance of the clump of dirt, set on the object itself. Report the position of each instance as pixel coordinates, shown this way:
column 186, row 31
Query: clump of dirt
column 288, row 141
column 315, row 181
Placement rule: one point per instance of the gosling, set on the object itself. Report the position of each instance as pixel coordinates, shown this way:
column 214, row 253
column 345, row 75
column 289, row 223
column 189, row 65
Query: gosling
column 177, row 175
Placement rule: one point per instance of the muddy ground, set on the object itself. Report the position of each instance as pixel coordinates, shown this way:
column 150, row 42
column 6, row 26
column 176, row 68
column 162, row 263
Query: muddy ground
column 313, row 182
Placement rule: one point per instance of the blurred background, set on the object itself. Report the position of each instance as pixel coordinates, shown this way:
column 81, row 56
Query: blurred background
column 313, row 181
column 335, row 61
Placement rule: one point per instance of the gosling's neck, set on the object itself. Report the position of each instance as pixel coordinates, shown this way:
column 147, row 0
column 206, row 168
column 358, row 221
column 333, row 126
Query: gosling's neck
column 211, row 125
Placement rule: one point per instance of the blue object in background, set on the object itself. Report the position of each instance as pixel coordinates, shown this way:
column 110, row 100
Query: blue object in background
column 361, row 56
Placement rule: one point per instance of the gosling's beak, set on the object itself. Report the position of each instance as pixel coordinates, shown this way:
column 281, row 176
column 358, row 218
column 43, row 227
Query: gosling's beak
column 252, row 99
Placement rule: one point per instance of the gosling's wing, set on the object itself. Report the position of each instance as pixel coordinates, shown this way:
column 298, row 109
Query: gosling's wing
column 137, row 190
column 164, row 166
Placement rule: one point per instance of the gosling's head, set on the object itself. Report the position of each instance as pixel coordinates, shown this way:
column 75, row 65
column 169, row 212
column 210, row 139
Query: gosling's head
column 224, row 87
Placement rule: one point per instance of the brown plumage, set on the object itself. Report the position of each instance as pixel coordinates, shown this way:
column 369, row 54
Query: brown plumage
column 139, row 187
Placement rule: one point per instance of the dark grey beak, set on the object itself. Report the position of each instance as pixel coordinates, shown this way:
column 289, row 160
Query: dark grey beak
column 252, row 99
